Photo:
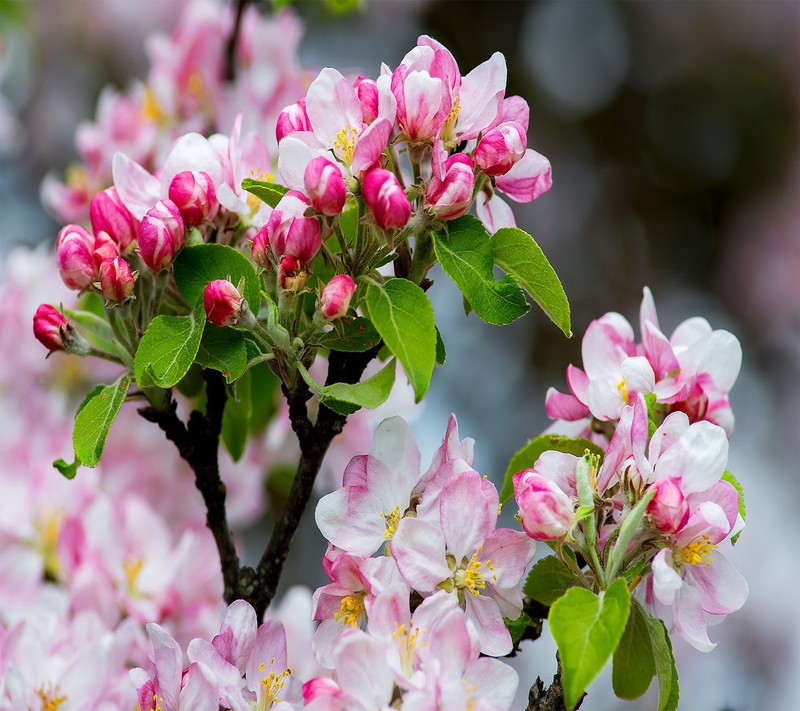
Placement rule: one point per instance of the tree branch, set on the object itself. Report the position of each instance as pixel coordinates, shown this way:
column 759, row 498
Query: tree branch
column 551, row 698
column 233, row 40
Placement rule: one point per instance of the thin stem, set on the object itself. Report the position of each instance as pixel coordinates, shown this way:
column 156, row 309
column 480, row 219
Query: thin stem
column 233, row 40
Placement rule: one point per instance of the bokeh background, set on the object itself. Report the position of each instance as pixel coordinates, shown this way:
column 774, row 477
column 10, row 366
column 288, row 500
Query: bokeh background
column 672, row 128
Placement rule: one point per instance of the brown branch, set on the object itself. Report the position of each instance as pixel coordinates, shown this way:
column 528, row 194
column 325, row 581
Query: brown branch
column 233, row 40
column 551, row 698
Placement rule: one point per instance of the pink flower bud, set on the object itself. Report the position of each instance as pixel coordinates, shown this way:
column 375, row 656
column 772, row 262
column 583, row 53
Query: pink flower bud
column 668, row 511
column 194, row 194
column 116, row 280
column 501, row 148
column 325, row 186
column 367, row 90
column 260, row 248
column 451, row 196
column 104, row 248
column 223, row 303
column 51, row 328
column 290, row 233
column 320, row 687
column 161, row 235
column 547, row 513
column 293, row 118
column 75, row 247
column 386, row 199
column 335, row 299
column 109, row 215
column 292, row 274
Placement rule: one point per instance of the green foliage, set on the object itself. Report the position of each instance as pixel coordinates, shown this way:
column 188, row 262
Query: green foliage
column 69, row 470
column 403, row 316
column 727, row 476
column 270, row 193
column 356, row 336
column 441, row 353
column 465, row 252
column 223, row 349
column 196, row 266
column 168, row 348
column 526, row 457
column 264, row 386
column 347, row 399
column 587, row 629
column 668, row 692
column 237, row 416
column 516, row 628
column 94, row 419
column 517, row 253
column 634, row 662
column 548, row 580
column 348, row 220
column 652, row 414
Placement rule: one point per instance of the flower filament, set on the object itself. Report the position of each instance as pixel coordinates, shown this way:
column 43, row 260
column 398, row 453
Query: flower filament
column 698, row 552
column 407, row 638
column 271, row 685
column 449, row 128
column 50, row 697
column 351, row 611
column 344, row 145
column 622, row 389
column 392, row 521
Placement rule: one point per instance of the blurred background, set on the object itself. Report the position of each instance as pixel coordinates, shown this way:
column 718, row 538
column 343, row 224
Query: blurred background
column 672, row 128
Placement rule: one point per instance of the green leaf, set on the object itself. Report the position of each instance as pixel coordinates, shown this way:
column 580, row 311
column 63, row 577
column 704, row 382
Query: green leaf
column 526, row 457
column 196, row 266
column 346, row 399
column 95, row 418
column 348, row 220
column 192, row 384
column 548, row 580
column 403, row 316
column 264, row 386
column 668, row 691
column 727, row 476
column 357, row 336
column 517, row 253
column 465, row 252
column 68, row 470
column 587, row 629
column 270, row 193
column 168, row 348
column 650, row 400
column 516, row 628
column 223, row 349
column 441, row 353
column 236, row 418
column 634, row 663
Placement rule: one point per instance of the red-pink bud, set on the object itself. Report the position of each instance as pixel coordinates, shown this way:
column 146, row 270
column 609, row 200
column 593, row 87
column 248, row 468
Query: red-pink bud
column 367, row 90
column 451, row 196
column 56, row 333
column 547, row 513
column 290, row 233
column 75, row 247
column 292, row 274
column 336, row 295
column 501, row 148
column 223, row 303
column 109, row 215
column 325, row 186
column 104, row 248
column 260, row 248
column 385, row 197
column 194, row 194
column 669, row 510
column 161, row 235
column 293, row 118
column 116, row 280
column 320, row 687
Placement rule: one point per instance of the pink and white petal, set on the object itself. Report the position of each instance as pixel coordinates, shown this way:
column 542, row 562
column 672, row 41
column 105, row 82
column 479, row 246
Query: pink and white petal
column 483, row 612
column 509, row 600
column 638, row 375
column 355, row 473
column 699, row 457
column 332, row 105
column 604, row 399
column 514, row 109
column 200, row 692
column 578, row 382
column 721, row 359
column 690, row 619
column 270, row 645
column 494, row 212
column 529, row 177
column 449, row 640
column 621, row 446
column 723, row 494
column 138, row 189
column 659, row 351
column 647, row 310
column 481, row 96
column 363, row 671
column 564, row 406
column 418, row 549
column 295, row 152
column 351, row 519
column 231, row 201
column 389, row 609
column 689, row 332
column 387, row 104
column 326, row 640
column 709, row 520
column 237, row 633
column 559, row 468
column 721, row 588
column 394, row 447
column 667, row 434
column 494, row 683
column 191, row 152
column 606, row 343
column 225, row 674
column 666, row 580
column 168, row 663
column 510, row 552
column 370, row 145
column 463, row 534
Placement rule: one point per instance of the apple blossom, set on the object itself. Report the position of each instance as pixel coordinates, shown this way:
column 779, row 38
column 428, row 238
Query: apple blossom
column 451, row 196
column 194, row 194
column 335, row 298
column 223, row 303
column 385, row 197
column 75, row 247
column 109, row 215
column 325, row 186
column 161, row 235
column 547, row 513
column 116, row 280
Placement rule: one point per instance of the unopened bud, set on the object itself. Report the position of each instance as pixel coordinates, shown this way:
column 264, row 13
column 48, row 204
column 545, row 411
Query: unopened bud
column 292, row 234
column 668, row 510
column 55, row 332
column 501, row 148
column 336, row 295
column 385, row 197
column 161, row 235
column 195, row 196
column 104, row 248
column 325, row 186
column 292, row 119
column 292, row 274
column 546, row 512
column 260, row 248
column 367, row 90
column 451, row 196
column 109, row 215
column 116, row 280
column 223, row 303
column 320, row 687
column 74, row 247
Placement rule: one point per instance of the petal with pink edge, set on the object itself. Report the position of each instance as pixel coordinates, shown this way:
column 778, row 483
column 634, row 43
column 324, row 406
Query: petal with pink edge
column 418, row 549
column 564, row 406
column 528, row 178
column 721, row 588
column 332, row 105
column 510, row 552
column 483, row 612
column 699, row 457
column 464, row 533
column 351, row 519
column 138, row 189
column 481, row 96
column 494, row 212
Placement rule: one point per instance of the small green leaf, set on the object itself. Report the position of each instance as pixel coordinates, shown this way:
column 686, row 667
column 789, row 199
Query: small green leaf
column 236, row 418
column 465, row 252
column 517, row 253
column 727, row 476
column 270, row 193
column 634, row 663
column 264, row 385
column 68, row 470
column 548, row 580
column 587, row 629
column 192, row 384
column 94, row 419
column 168, row 348
column 346, row 399
column 441, row 353
column 650, row 400
column 403, row 316
column 526, row 457
column 516, row 628
column 223, row 349
column 196, row 266
column 668, row 691
column 348, row 220
column 357, row 336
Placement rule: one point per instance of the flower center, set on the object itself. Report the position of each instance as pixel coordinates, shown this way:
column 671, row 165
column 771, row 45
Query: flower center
column 132, row 568
column 48, row 526
column 151, row 110
column 449, row 128
column 470, row 576
column 351, row 611
column 50, row 697
column 254, row 202
column 392, row 521
column 622, row 389
column 407, row 638
column 344, row 145
column 698, row 552
column 271, row 685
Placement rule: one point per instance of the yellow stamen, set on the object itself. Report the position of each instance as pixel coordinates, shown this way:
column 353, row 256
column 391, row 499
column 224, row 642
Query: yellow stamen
column 271, row 685
column 392, row 521
column 698, row 552
column 344, row 145
column 351, row 611
column 470, row 577
column 449, row 128
column 622, row 389
column 50, row 697
column 264, row 176
column 132, row 568
column 407, row 638
column 151, row 111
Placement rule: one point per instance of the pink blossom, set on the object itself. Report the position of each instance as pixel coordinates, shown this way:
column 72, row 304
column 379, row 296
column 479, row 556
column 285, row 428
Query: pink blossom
column 195, row 196
column 161, row 235
column 668, row 510
column 367, row 92
column 223, row 303
column 500, row 148
column 292, row 274
column 547, row 513
column 325, row 186
column 451, row 196
column 116, row 280
column 75, row 247
column 51, row 328
column 335, row 299
column 292, row 120
column 109, row 215
column 385, row 197
column 105, row 248
column 290, row 232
